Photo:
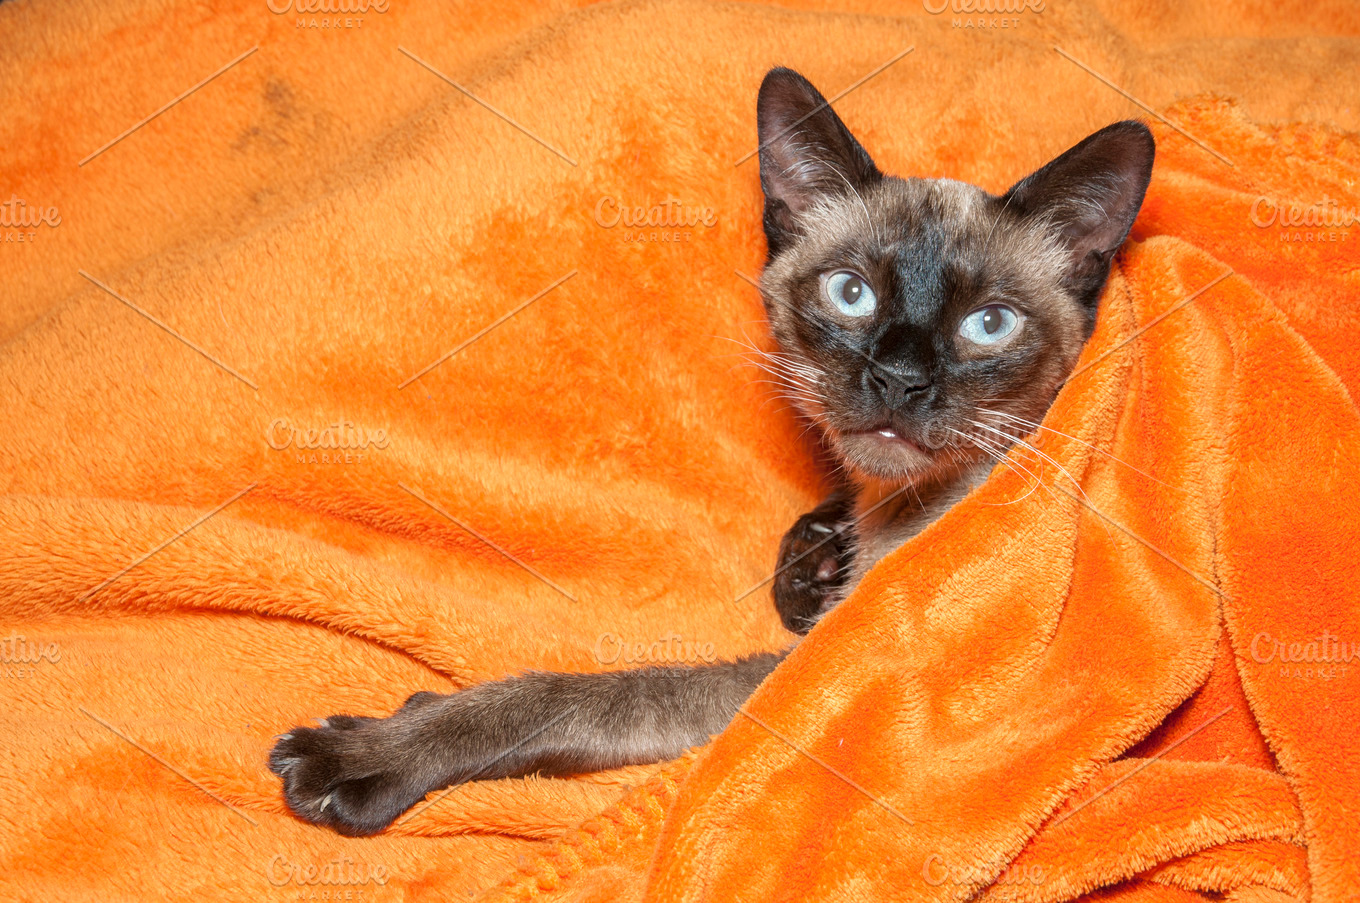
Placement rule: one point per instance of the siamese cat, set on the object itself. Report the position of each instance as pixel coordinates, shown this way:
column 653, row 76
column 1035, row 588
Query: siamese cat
column 923, row 325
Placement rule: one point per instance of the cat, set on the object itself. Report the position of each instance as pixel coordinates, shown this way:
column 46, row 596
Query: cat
column 923, row 325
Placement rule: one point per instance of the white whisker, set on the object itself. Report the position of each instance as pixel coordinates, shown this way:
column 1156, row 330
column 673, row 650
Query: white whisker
column 1085, row 499
column 1031, row 425
column 998, row 454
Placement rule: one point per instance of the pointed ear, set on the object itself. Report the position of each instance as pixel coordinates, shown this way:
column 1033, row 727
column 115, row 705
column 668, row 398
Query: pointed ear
column 1090, row 195
column 806, row 153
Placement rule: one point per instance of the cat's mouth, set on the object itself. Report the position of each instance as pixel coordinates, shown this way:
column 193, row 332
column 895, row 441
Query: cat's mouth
column 884, row 452
column 888, row 437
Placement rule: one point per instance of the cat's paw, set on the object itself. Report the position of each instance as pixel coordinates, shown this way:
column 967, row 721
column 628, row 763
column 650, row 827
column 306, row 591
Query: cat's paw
column 346, row 774
column 813, row 559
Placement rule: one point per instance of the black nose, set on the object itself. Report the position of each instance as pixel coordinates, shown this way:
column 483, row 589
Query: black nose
column 897, row 384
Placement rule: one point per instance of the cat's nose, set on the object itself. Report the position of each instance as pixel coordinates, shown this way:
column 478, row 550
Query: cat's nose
column 896, row 385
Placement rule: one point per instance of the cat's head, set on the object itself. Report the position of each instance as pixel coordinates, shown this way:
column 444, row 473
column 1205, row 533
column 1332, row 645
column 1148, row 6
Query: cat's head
column 909, row 311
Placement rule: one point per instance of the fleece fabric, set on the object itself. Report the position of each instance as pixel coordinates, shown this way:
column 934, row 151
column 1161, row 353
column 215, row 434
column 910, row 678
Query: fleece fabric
column 407, row 350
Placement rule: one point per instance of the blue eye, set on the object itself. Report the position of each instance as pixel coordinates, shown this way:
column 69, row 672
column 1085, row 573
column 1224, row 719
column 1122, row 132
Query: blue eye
column 850, row 293
column 989, row 325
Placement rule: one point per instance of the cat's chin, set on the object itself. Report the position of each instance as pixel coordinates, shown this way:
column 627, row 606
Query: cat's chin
column 884, row 454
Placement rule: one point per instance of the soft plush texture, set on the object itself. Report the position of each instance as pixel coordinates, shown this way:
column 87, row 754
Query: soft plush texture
column 1044, row 697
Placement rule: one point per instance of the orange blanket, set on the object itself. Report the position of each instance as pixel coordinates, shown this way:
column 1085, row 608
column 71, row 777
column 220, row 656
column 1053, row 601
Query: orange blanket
column 291, row 427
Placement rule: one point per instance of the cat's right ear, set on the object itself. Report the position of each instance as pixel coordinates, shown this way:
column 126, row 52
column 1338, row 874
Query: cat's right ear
column 806, row 153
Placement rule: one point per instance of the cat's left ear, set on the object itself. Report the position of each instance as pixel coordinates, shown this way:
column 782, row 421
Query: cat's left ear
column 1091, row 195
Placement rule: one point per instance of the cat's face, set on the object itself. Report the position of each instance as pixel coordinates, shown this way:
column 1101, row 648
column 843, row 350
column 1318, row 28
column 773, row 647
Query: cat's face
column 920, row 322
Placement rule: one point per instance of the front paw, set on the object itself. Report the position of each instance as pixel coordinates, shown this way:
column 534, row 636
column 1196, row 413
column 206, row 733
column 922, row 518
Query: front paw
column 349, row 774
column 813, row 558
